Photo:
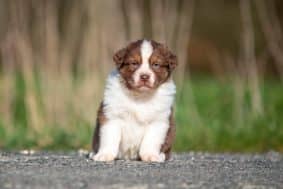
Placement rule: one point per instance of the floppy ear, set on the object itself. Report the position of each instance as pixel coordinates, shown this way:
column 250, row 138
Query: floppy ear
column 119, row 57
column 172, row 60
column 170, row 57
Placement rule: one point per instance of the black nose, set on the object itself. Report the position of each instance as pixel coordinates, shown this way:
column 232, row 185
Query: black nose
column 144, row 77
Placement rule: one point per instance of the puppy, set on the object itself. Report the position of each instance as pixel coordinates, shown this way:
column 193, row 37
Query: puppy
column 135, row 118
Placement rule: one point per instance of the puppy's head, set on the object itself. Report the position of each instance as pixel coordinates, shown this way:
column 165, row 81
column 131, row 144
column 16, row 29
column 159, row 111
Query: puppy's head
column 145, row 64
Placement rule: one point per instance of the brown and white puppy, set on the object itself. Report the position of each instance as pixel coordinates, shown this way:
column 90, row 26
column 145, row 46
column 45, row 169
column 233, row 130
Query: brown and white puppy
column 135, row 119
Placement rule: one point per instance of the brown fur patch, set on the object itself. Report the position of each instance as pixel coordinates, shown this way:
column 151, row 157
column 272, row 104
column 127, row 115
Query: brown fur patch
column 165, row 148
column 162, row 62
column 167, row 145
column 128, row 60
column 100, row 120
column 167, row 58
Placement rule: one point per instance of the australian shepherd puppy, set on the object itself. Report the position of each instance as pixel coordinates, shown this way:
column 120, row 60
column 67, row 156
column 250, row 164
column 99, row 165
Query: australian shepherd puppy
column 135, row 118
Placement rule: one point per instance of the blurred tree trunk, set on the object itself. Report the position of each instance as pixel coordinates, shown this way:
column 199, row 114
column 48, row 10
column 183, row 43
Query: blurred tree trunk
column 272, row 31
column 248, row 56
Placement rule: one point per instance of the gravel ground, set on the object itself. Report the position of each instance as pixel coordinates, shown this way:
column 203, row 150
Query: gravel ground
column 190, row 170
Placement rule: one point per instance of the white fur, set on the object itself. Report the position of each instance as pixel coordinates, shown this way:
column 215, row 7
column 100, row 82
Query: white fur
column 146, row 51
column 137, row 125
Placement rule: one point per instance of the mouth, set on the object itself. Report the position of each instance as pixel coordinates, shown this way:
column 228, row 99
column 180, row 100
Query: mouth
column 144, row 86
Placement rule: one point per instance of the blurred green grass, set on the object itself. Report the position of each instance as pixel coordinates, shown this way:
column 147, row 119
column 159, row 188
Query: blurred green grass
column 219, row 128
column 207, row 122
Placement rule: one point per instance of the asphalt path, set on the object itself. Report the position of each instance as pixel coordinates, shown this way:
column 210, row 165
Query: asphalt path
column 189, row 170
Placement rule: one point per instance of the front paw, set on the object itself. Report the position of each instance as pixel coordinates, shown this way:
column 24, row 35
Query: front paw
column 103, row 156
column 153, row 157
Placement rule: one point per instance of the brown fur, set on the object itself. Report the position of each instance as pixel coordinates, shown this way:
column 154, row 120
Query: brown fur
column 168, row 58
column 167, row 145
column 129, row 59
column 165, row 148
column 127, row 62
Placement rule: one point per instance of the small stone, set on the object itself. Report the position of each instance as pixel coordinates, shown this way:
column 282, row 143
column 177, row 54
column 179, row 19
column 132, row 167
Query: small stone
column 82, row 152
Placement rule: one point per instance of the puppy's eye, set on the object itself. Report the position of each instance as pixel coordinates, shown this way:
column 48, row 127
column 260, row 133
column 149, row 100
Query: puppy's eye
column 134, row 64
column 156, row 65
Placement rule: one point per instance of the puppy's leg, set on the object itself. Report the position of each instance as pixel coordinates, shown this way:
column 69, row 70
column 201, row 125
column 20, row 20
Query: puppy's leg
column 109, row 137
column 152, row 141
column 167, row 145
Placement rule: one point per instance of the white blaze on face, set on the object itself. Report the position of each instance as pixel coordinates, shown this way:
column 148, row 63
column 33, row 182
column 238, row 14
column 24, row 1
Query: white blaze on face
column 146, row 51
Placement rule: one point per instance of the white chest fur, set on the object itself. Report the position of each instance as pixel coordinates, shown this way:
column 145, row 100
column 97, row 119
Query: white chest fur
column 134, row 114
